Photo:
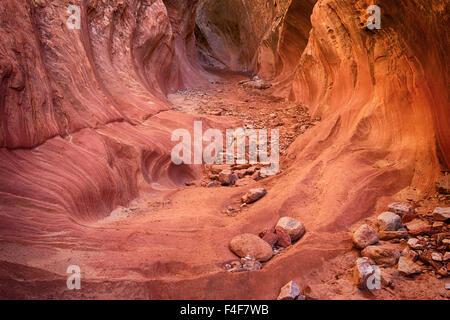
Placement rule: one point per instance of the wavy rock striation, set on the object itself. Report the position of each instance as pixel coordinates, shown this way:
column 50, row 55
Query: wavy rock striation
column 86, row 127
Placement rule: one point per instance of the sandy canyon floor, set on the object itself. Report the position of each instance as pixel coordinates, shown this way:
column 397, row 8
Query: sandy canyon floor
column 174, row 243
column 91, row 94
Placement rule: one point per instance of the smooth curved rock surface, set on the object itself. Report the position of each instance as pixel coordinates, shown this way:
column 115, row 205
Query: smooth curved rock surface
column 85, row 127
column 248, row 244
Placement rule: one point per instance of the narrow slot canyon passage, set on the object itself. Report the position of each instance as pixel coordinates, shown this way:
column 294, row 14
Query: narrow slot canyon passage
column 110, row 109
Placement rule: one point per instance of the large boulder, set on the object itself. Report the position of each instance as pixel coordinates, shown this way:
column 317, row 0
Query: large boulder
column 289, row 292
column 248, row 244
column 254, row 195
column 441, row 214
column 364, row 236
column 385, row 254
column 389, row 221
column 293, row 227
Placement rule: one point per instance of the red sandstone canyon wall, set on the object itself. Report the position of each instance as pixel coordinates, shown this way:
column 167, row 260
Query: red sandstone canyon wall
column 85, row 123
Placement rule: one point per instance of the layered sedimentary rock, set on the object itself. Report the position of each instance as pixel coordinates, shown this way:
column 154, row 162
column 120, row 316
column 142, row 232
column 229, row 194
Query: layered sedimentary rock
column 76, row 103
column 230, row 33
column 381, row 95
column 85, row 127
column 263, row 37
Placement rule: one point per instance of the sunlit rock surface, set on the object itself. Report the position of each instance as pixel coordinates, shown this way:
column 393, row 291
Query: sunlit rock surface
column 86, row 127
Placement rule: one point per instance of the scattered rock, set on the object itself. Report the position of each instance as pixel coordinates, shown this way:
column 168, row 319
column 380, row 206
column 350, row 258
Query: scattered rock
column 427, row 258
column 253, row 195
column 240, row 173
column 256, row 175
column 446, row 257
column 243, row 182
column 248, row 244
column 414, row 243
column 410, row 254
column 401, row 208
column 234, row 266
column 407, row 267
column 443, row 272
column 289, row 292
column 227, row 177
column 266, row 231
column 231, row 211
column 212, row 184
column 255, row 84
column 249, row 263
column 436, row 256
column 442, row 214
column 309, row 294
column 418, row 227
column 389, row 221
column 241, row 166
column 437, row 226
column 386, row 279
column 217, row 168
column 408, row 217
column 294, row 228
column 443, row 184
column 363, row 269
column 270, row 238
column 284, row 240
column 441, row 238
column 390, row 235
column 213, row 176
column 364, row 236
column 385, row 254
column 251, row 170
column 277, row 250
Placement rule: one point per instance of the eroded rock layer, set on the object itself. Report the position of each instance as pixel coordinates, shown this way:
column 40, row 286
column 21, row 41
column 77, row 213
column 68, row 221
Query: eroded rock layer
column 86, row 127
column 79, row 100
